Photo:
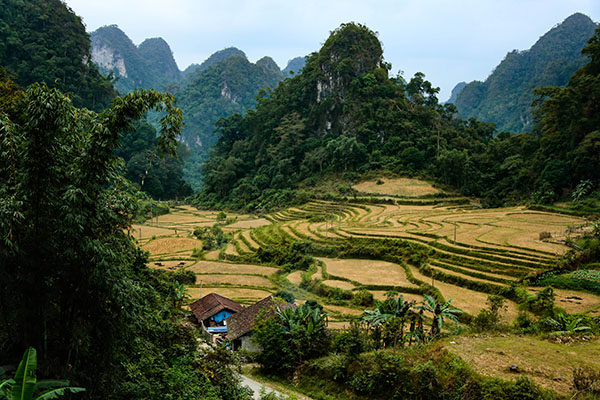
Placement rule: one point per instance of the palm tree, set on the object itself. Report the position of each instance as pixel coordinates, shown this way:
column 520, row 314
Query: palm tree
column 439, row 311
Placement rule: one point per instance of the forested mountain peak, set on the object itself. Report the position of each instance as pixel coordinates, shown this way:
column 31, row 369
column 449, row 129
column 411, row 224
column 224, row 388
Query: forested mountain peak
column 350, row 51
column 506, row 95
column 158, row 50
column 456, row 90
column 149, row 65
column 268, row 63
column 56, row 50
column 294, row 66
column 214, row 59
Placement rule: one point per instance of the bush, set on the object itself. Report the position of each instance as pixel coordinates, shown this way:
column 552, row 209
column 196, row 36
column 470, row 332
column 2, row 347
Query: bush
column 489, row 319
column 363, row 298
column 586, row 380
column 212, row 237
column 285, row 295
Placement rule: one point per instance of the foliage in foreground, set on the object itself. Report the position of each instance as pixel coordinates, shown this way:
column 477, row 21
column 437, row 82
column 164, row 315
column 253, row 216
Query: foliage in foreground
column 417, row 372
column 75, row 286
column 24, row 386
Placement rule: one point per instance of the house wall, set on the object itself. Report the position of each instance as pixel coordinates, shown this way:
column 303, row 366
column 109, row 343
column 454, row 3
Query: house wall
column 249, row 345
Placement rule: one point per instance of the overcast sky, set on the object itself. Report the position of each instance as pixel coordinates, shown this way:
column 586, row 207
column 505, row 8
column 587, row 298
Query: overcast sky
column 448, row 40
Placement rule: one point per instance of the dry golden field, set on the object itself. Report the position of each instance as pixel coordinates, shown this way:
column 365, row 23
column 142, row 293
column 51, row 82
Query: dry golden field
column 397, row 186
column 235, row 280
column 171, row 245
column 367, row 271
column 207, row 267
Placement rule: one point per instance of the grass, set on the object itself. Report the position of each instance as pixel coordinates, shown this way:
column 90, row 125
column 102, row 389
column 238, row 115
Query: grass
column 549, row 364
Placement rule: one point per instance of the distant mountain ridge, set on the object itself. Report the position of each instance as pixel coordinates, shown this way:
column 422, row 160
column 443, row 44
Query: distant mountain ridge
column 505, row 96
column 149, row 65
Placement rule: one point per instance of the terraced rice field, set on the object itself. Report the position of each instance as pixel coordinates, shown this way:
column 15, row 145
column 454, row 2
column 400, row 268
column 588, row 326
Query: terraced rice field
column 398, row 186
column 368, row 272
column 469, row 250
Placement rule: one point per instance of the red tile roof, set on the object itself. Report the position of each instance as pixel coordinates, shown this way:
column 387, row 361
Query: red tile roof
column 241, row 323
column 212, row 304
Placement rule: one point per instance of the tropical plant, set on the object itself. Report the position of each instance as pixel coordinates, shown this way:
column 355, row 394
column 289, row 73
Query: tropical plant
column 180, row 294
column 563, row 325
column 390, row 315
column 289, row 337
column 25, row 386
column 439, row 311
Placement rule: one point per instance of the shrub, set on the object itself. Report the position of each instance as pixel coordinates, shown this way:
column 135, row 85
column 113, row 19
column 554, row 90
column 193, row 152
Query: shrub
column 489, row 319
column 285, row 295
column 363, row 298
column 586, row 380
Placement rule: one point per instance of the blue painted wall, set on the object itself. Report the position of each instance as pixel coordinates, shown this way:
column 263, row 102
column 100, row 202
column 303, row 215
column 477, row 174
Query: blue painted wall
column 221, row 316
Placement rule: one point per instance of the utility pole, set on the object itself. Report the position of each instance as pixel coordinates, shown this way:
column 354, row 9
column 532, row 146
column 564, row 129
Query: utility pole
column 455, row 233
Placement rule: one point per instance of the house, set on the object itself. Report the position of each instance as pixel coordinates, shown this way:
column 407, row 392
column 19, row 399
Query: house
column 212, row 312
column 240, row 325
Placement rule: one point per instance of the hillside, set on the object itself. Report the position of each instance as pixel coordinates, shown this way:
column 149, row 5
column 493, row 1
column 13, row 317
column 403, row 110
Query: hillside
column 148, row 66
column 344, row 117
column 343, row 114
column 228, row 87
column 506, row 95
column 51, row 52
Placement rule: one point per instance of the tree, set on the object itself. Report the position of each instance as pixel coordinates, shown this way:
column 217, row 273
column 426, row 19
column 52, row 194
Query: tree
column 391, row 315
column 439, row 311
column 290, row 337
column 65, row 209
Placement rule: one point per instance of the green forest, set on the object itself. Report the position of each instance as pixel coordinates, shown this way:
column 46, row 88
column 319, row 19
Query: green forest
column 505, row 97
column 345, row 115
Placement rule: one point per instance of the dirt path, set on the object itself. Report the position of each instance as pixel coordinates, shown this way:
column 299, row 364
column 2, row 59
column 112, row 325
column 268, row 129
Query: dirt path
column 270, row 387
column 257, row 386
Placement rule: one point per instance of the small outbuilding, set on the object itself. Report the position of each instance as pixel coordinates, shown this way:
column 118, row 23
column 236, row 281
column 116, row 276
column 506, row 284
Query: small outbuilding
column 240, row 326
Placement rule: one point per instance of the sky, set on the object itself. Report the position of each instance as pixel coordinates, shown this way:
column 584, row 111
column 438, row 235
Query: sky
column 448, row 40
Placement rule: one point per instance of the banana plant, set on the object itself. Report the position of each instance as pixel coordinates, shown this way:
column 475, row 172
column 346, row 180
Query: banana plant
column 439, row 311
column 565, row 326
column 25, row 386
